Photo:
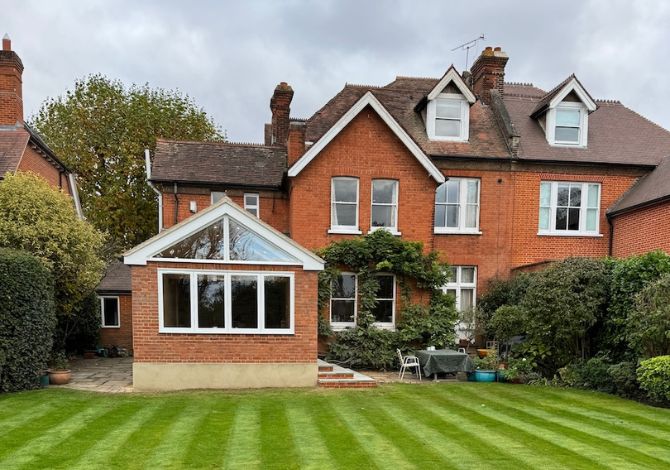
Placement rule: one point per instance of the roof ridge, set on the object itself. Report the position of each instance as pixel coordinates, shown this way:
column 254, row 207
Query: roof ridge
column 359, row 85
column 607, row 101
column 521, row 84
column 414, row 78
column 219, row 142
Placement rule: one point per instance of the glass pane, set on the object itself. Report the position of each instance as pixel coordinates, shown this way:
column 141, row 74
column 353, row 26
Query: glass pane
column 567, row 134
column 383, row 191
column 563, row 194
column 448, row 109
column 473, row 192
column 342, row 311
column 561, row 219
column 453, row 277
column 452, row 216
column 545, row 214
column 383, row 311
column 385, row 287
column 575, row 196
column 176, row 300
column 250, row 200
column 440, row 215
column 441, row 193
column 467, row 299
column 468, row 275
column 244, row 301
column 111, row 309
column 205, row 244
column 344, row 215
column 277, row 302
column 252, row 210
column 447, row 128
column 245, row 245
column 344, row 286
column 383, row 216
column 567, row 117
column 453, row 191
column 217, row 196
column 345, row 190
column 573, row 219
column 545, row 194
column 451, row 292
column 211, row 293
column 593, row 196
column 591, row 219
column 471, row 216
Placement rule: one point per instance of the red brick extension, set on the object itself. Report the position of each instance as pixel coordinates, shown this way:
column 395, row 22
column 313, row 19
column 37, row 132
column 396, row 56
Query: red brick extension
column 652, row 221
column 122, row 336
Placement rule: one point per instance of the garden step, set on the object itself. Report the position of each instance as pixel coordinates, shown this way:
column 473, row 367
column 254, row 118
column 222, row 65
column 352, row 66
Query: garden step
column 341, row 377
column 324, row 366
column 336, row 375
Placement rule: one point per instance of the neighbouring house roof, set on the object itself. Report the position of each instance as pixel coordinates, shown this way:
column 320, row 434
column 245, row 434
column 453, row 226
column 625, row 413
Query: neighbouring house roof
column 651, row 188
column 13, row 142
column 143, row 252
column 117, row 279
column 221, row 163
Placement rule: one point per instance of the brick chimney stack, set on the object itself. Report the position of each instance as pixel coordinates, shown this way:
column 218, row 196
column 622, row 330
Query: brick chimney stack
column 488, row 73
column 280, row 105
column 11, row 94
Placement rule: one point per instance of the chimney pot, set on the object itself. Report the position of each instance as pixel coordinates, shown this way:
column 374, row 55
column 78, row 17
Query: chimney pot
column 11, row 86
column 497, row 49
column 488, row 73
column 280, row 105
column 6, row 43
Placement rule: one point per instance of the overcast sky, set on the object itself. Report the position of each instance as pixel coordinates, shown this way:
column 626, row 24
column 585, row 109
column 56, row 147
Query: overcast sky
column 229, row 56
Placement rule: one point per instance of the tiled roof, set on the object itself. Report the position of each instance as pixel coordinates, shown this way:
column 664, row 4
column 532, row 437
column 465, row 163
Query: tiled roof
column 546, row 99
column 117, row 279
column 252, row 165
column 652, row 187
column 13, row 142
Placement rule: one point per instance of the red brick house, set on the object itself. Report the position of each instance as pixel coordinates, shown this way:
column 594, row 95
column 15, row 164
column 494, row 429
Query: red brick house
column 497, row 177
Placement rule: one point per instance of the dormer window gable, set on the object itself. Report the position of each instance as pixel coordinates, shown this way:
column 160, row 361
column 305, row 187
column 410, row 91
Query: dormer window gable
column 447, row 114
column 564, row 114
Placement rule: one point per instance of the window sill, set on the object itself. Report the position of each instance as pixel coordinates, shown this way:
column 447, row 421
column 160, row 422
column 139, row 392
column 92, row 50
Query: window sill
column 111, row 326
column 448, row 139
column 344, row 231
column 391, row 231
column 567, row 145
column 222, row 331
column 570, row 234
column 346, row 326
column 440, row 231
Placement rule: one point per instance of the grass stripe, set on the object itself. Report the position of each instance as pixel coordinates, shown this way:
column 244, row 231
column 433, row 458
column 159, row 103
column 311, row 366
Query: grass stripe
column 245, row 440
column 277, row 443
column 310, row 448
column 25, row 417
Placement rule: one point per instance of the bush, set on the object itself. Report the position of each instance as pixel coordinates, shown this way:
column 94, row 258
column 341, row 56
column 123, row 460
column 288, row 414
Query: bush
column 624, row 379
column 27, row 319
column 364, row 347
column 654, row 377
column 592, row 374
column 648, row 324
column 519, row 370
column 506, row 322
column 421, row 326
column 82, row 328
column 499, row 293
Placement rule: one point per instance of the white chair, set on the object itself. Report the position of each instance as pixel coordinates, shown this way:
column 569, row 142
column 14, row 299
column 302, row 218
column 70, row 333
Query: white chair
column 462, row 350
column 408, row 362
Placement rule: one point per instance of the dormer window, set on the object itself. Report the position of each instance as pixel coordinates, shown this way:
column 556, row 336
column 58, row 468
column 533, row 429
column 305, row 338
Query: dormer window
column 568, row 121
column 447, row 113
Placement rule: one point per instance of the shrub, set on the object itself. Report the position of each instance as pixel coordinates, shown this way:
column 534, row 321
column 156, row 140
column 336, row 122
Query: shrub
column 421, row 326
column 82, row 328
column 519, row 369
column 648, row 324
column 624, row 379
column 488, row 362
column 498, row 293
column 27, row 319
column 367, row 347
column 592, row 374
column 506, row 322
column 654, row 377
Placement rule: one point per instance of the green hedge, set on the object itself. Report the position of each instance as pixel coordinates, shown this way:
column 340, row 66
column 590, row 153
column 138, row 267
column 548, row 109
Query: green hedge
column 27, row 319
column 654, row 377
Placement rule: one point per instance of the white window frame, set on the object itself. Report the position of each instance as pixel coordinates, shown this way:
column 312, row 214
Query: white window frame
column 583, row 125
column 582, row 232
column 252, row 207
column 393, row 230
column 337, row 326
column 213, row 194
column 102, row 310
column 344, row 229
column 457, row 285
column 431, row 116
column 387, row 325
column 462, row 204
column 260, row 276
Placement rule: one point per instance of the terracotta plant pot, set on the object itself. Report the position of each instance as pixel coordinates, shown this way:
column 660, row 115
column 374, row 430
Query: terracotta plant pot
column 482, row 352
column 60, row 376
column 89, row 354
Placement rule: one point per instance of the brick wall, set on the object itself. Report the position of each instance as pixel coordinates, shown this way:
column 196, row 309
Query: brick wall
column 33, row 161
column 642, row 231
column 122, row 336
column 152, row 346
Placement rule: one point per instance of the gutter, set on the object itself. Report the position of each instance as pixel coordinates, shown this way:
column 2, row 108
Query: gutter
column 147, row 165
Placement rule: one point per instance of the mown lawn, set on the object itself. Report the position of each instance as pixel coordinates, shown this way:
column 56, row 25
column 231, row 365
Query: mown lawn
column 462, row 425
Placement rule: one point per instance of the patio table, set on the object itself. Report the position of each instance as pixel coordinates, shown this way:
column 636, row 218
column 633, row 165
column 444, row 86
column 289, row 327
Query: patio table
column 444, row 361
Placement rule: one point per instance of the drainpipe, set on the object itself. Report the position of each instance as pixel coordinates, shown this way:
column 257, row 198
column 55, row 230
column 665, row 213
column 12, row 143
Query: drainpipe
column 611, row 241
column 147, row 165
column 176, row 205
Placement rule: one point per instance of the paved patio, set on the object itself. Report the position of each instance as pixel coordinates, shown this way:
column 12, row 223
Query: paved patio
column 102, row 374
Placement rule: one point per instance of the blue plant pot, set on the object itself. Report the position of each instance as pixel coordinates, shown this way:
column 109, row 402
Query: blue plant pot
column 485, row 376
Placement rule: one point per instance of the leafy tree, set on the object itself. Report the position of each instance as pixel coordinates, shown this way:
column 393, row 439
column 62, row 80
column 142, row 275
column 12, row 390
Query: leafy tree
column 648, row 324
column 499, row 292
column 100, row 129
column 40, row 219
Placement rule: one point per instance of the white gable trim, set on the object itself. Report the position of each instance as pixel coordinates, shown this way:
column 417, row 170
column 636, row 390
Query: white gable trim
column 367, row 100
column 452, row 76
column 573, row 85
column 145, row 251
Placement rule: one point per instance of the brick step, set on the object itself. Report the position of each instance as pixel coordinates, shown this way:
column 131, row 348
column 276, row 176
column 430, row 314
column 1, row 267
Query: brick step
column 336, row 375
column 324, row 366
column 346, row 383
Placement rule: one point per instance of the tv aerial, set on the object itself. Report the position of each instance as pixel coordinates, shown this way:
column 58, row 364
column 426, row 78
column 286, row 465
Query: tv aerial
column 466, row 46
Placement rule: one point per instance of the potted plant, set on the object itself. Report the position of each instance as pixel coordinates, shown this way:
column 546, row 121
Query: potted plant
column 59, row 372
column 518, row 370
column 485, row 367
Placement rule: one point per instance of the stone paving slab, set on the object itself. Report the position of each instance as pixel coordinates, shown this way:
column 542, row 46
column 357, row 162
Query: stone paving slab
column 102, row 374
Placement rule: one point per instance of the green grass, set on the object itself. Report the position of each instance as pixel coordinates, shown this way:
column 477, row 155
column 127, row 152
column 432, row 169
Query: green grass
column 444, row 426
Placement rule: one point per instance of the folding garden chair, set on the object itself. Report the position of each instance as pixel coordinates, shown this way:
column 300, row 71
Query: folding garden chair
column 408, row 362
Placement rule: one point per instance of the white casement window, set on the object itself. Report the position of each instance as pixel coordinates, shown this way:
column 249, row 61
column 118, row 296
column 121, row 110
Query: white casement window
column 567, row 124
column 384, row 211
column 457, row 206
column 463, row 286
column 110, row 312
column 568, row 208
column 344, row 205
column 225, row 302
column 384, row 311
column 252, row 204
column 447, row 118
column 343, row 301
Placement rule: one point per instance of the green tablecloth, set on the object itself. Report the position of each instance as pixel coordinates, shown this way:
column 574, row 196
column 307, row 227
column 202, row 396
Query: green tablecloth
column 444, row 361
